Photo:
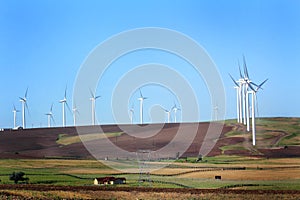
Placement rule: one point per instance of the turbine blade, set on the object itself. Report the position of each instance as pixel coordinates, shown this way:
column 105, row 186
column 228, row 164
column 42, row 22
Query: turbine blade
column 27, row 108
column 141, row 95
column 252, row 88
column 245, row 68
column 68, row 107
column 53, row 119
column 260, row 85
column 252, row 83
column 241, row 75
column 26, row 93
column 51, row 107
column 65, row 92
column 233, row 80
column 97, row 97
column 92, row 94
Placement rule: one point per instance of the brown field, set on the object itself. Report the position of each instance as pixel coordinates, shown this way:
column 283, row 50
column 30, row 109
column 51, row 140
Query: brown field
column 91, row 192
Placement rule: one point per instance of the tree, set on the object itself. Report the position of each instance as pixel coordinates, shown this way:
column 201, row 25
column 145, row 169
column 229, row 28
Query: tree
column 18, row 176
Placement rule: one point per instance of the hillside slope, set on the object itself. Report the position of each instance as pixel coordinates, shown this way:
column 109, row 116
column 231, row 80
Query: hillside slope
column 276, row 137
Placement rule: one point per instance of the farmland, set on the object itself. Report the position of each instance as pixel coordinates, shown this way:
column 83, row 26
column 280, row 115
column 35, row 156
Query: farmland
column 271, row 169
column 242, row 174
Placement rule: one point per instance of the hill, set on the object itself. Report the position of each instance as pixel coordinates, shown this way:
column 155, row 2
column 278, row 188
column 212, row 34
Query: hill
column 276, row 137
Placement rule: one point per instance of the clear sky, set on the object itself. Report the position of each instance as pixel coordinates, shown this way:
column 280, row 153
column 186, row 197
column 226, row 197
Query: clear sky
column 44, row 43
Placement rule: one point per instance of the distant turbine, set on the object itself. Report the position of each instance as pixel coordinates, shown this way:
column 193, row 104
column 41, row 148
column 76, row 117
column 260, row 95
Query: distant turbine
column 238, row 99
column 15, row 115
column 93, row 102
column 50, row 116
column 216, row 112
column 24, row 105
column 75, row 111
column 64, row 103
column 131, row 114
column 141, row 99
column 175, row 109
column 168, row 112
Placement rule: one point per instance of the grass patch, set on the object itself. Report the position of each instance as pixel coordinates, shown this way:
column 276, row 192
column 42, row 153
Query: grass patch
column 64, row 139
column 238, row 146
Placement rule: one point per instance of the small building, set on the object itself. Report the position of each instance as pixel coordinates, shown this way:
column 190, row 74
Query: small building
column 109, row 180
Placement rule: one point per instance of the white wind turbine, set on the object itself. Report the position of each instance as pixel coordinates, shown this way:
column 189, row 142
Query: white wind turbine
column 24, row 106
column 168, row 112
column 141, row 99
column 216, row 112
column 50, row 116
column 253, row 92
column 15, row 116
column 93, row 102
column 238, row 99
column 131, row 114
column 175, row 109
column 75, row 112
column 64, row 103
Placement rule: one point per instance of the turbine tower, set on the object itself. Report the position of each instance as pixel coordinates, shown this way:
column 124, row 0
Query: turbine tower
column 15, row 116
column 24, row 106
column 93, row 102
column 141, row 99
column 254, row 105
column 50, row 116
column 238, row 98
column 216, row 112
column 175, row 109
column 64, row 103
column 131, row 114
column 168, row 112
column 75, row 111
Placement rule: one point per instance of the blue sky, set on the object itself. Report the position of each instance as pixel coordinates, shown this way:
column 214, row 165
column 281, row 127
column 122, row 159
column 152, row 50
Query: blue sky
column 44, row 43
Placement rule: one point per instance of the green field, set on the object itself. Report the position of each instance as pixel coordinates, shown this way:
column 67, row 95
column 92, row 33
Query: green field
column 275, row 173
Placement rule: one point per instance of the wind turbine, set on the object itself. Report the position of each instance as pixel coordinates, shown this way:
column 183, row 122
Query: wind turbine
column 141, row 99
column 131, row 114
column 168, row 112
column 50, row 116
column 238, row 99
column 15, row 115
column 216, row 112
column 93, row 102
column 64, row 103
column 175, row 109
column 24, row 106
column 254, row 104
column 75, row 111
